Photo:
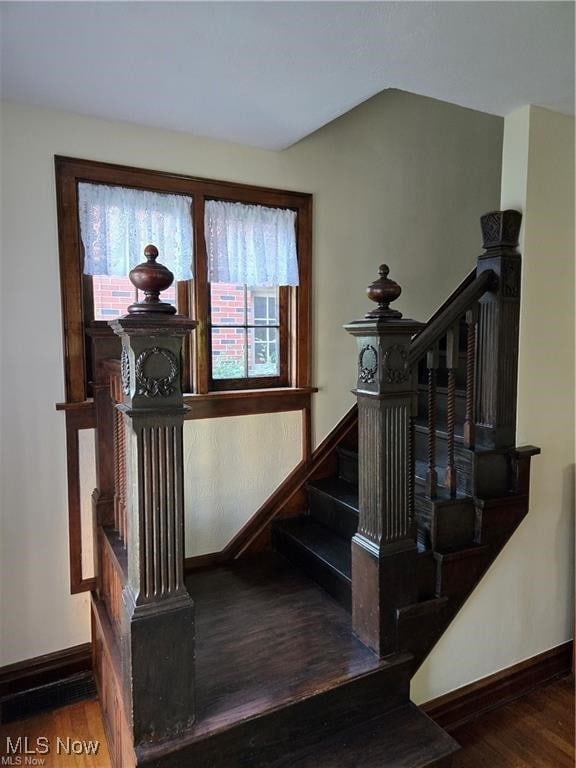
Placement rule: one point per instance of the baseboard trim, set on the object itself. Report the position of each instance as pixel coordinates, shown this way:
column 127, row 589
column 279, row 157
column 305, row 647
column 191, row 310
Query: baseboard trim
column 469, row 702
column 16, row 679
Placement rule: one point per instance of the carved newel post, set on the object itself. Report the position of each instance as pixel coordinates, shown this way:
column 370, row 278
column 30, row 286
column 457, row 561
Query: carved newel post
column 498, row 330
column 158, row 613
column 384, row 548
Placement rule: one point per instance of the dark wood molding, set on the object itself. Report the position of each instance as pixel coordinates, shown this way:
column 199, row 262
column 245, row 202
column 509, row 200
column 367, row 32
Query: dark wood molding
column 247, row 402
column 210, row 560
column 77, row 419
column 468, row 280
column 86, row 407
column 111, row 173
column 469, row 702
column 42, row 670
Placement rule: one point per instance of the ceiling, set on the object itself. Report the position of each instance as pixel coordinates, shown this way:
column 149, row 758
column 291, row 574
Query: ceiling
column 269, row 73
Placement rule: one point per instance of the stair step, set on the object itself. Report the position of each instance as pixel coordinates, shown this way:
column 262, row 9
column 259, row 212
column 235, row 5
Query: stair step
column 319, row 552
column 403, row 738
column 334, row 503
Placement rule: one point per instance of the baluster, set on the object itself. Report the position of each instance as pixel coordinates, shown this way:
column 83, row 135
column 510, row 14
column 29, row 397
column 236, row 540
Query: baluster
column 472, row 330
column 452, row 339
column 116, row 445
column 121, row 478
column 432, row 358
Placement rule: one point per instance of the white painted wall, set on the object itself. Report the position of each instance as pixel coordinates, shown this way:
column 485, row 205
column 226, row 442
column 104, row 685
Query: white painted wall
column 231, row 466
column 525, row 603
column 401, row 179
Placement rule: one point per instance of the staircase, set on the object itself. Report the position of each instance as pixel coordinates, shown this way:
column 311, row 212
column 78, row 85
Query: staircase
column 302, row 655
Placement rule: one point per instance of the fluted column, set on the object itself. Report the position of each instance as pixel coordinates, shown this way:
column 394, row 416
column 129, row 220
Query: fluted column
column 158, row 613
column 498, row 332
column 383, row 549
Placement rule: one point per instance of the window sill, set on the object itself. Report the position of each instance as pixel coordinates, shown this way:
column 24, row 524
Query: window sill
column 247, row 402
column 214, row 405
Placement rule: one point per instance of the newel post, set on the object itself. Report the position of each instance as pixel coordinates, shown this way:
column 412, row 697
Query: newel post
column 157, row 633
column 498, row 330
column 384, row 549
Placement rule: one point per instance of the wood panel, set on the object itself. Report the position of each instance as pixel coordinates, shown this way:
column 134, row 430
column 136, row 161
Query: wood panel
column 112, row 574
column 107, row 674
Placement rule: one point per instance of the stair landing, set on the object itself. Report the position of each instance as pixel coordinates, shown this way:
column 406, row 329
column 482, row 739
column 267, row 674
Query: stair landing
column 265, row 636
column 280, row 675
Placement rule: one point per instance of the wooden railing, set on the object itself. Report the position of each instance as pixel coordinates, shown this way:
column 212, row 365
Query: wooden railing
column 457, row 322
column 401, row 364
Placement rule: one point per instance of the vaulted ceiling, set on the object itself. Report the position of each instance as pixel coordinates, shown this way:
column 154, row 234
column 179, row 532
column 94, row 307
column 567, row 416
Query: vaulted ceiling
column 268, row 74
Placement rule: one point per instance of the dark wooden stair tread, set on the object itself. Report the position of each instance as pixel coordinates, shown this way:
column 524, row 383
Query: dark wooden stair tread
column 402, row 738
column 330, row 548
column 339, row 489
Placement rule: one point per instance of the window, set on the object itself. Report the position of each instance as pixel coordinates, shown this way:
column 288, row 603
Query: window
column 248, row 343
column 253, row 310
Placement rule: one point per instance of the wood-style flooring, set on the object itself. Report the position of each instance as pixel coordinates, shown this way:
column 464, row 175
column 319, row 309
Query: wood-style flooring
column 536, row 731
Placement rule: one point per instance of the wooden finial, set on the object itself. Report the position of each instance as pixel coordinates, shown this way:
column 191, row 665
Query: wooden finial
column 152, row 278
column 384, row 291
column 501, row 229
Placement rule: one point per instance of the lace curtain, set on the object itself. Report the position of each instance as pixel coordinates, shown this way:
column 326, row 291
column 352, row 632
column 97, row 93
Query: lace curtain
column 250, row 244
column 117, row 223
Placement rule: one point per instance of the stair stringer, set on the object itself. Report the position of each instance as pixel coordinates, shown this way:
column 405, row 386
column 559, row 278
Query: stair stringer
column 457, row 576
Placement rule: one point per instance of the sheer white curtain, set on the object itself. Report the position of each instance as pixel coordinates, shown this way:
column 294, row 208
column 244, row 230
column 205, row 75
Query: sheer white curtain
column 117, row 223
column 250, row 244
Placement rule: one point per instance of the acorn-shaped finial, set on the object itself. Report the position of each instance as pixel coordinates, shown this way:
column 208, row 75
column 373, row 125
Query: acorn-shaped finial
column 152, row 278
column 384, row 291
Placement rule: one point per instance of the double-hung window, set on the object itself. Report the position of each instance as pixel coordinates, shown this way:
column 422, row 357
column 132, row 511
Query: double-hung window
column 240, row 256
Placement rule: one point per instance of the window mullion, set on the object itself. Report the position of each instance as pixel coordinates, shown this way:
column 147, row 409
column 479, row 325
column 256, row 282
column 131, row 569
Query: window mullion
column 201, row 344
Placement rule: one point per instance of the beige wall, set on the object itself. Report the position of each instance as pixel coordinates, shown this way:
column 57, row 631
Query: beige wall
column 525, row 603
column 401, row 179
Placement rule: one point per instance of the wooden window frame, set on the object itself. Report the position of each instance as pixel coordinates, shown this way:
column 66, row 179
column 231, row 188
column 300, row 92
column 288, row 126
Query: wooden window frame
column 193, row 296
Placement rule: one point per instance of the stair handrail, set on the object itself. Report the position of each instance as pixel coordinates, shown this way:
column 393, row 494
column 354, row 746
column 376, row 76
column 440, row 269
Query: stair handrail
column 442, row 321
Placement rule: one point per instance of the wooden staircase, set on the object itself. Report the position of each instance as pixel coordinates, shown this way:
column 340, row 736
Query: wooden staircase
column 302, row 656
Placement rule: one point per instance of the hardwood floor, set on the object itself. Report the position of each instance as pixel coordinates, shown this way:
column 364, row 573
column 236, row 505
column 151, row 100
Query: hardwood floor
column 536, row 731
column 79, row 722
